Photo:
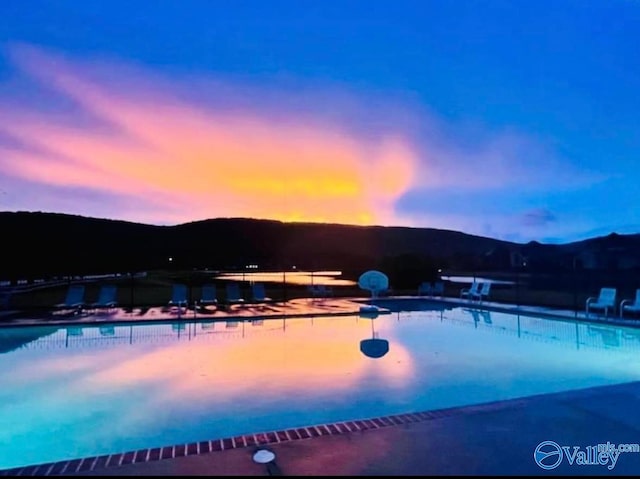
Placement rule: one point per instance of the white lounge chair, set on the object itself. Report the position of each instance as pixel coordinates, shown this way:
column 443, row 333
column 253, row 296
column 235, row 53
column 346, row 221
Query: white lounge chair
column 471, row 291
column 606, row 301
column 630, row 305
column 483, row 293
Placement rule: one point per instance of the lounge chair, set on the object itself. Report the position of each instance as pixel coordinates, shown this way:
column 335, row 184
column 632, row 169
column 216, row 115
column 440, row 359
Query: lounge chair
column 74, row 299
column 179, row 296
column 208, row 295
column 605, row 301
column 320, row 291
column 470, row 292
column 483, row 292
column 106, row 298
column 438, row 289
column 425, row 289
column 258, row 293
column 630, row 305
column 233, row 294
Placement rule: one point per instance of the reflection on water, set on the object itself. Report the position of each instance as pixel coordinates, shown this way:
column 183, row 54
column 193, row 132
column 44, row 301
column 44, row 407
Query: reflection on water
column 112, row 388
column 479, row 315
column 306, row 278
column 375, row 347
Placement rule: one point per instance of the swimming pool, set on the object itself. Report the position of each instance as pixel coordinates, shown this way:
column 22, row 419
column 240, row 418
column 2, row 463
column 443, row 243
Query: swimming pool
column 82, row 391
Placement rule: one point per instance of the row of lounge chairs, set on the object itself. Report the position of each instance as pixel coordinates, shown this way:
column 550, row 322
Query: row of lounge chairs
column 477, row 290
column 75, row 298
column 431, row 289
column 606, row 302
column 209, row 296
column 107, row 297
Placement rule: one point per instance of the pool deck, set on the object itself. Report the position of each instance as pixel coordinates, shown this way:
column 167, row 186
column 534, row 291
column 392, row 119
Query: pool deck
column 488, row 439
column 295, row 308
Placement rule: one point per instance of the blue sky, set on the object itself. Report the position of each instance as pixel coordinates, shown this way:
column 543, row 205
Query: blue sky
column 515, row 120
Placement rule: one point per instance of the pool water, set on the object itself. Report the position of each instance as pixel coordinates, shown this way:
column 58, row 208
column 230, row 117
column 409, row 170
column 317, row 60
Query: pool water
column 68, row 392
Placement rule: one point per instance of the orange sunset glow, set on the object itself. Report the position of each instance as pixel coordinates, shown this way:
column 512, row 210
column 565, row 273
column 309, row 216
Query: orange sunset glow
column 328, row 357
column 186, row 161
column 216, row 359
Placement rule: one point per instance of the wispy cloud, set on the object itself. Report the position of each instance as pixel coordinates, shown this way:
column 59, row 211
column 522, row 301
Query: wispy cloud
column 189, row 161
column 175, row 149
column 538, row 217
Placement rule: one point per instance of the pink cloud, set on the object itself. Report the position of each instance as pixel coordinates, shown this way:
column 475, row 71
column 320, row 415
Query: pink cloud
column 197, row 162
column 174, row 151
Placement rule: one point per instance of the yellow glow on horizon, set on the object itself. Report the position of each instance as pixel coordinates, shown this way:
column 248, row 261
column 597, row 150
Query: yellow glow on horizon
column 185, row 161
column 298, row 278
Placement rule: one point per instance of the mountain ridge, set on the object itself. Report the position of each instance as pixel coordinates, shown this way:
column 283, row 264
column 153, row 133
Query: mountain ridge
column 58, row 243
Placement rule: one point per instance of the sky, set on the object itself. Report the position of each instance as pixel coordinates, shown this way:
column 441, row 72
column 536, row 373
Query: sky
column 511, row 119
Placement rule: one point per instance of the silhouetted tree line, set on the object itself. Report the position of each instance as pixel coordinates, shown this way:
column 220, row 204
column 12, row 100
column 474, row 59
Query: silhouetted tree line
column 47, row 244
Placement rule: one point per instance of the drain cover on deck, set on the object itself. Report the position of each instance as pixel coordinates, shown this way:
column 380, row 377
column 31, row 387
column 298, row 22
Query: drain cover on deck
column 263, row 456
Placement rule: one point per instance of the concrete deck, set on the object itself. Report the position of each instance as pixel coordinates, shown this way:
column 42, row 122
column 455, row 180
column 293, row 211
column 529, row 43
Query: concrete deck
column 541, row 311
column 301, row 307
column 295, row 308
